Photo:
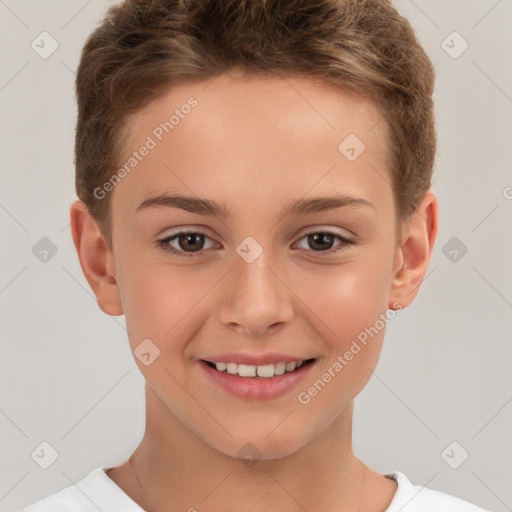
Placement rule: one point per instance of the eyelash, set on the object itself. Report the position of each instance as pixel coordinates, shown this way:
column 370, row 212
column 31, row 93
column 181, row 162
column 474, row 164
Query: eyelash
column 163, row 244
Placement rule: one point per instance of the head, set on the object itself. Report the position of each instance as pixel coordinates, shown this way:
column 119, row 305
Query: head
column 246, row 113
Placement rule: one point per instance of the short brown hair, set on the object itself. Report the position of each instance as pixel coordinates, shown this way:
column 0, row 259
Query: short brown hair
column 143, row 47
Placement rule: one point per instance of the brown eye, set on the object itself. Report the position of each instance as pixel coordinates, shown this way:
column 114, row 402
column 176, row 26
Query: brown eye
column 190, row 241
column 185, row 243
column 323, row 242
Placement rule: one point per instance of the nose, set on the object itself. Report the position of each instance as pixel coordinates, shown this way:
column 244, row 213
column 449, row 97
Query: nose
column 255, row 297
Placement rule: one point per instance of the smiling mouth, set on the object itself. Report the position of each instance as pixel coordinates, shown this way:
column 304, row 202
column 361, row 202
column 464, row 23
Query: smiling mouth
column 265, row 371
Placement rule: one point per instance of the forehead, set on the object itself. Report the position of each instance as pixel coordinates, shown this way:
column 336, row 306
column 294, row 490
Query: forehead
column 233, row 132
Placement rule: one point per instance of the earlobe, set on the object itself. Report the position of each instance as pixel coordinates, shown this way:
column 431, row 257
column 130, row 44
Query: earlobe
column 95, row 259
column 414, row 254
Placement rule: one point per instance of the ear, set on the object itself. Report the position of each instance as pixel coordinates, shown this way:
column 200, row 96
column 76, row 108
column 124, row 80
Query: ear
column 413, row 255
column 96, row 260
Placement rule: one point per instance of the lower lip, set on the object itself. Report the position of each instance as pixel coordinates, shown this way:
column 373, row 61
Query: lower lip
column 257, row 388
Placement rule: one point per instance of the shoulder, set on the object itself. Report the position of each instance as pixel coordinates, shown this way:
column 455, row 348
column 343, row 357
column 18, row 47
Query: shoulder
column 417, row 498
column 94, row 492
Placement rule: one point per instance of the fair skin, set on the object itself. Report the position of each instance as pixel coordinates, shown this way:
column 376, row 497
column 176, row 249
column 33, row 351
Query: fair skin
column 255, row 145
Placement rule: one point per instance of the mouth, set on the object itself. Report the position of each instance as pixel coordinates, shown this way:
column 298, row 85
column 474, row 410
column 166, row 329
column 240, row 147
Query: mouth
column 256, row 382
column 265, row 371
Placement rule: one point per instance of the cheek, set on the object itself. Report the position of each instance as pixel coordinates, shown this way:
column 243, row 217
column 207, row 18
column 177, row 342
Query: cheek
column 155, row 297
column 350, row 305
column 166, row 304
column 347, row 298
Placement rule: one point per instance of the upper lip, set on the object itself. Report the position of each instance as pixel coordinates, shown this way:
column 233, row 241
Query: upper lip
column 254, row 359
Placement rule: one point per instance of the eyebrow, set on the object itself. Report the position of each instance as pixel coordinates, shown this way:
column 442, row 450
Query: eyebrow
column 212, row 208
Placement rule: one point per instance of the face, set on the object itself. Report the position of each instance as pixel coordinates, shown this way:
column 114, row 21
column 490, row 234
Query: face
column 284, row 251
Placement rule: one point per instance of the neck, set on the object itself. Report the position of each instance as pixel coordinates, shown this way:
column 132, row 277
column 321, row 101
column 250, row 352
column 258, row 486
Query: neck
column 173, row 466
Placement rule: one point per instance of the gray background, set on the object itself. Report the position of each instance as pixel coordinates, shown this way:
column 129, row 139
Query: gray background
column 67, row 374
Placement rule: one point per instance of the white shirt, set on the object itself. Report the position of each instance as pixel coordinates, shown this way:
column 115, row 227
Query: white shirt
column 98, row 492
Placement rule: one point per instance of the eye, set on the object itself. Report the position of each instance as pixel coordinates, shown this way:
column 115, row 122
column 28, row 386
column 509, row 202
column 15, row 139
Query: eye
column 192, row 243
column 187, row 243
column 322, row 241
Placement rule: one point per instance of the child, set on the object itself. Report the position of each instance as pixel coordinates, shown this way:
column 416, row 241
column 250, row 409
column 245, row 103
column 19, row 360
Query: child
column 256, row 129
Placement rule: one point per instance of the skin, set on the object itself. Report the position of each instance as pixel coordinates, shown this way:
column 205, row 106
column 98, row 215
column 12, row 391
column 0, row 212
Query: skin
column 255, row 144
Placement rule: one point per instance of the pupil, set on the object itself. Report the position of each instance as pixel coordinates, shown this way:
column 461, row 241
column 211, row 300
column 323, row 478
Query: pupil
column 320, row 237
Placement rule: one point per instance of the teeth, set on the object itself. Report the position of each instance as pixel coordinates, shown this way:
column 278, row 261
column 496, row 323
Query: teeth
column 265, row 371
column 279, row 368
column 247, row 370
column 290, row 366
column 232, row 368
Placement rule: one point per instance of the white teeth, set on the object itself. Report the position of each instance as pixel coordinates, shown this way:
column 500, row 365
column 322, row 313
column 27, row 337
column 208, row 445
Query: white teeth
column 265, row 371
column 247, row 370
column 279, row 368
column 232, row 368
column 290, row 366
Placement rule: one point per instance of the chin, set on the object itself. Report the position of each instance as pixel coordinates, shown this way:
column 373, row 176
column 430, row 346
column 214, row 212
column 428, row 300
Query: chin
column 259, row 445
